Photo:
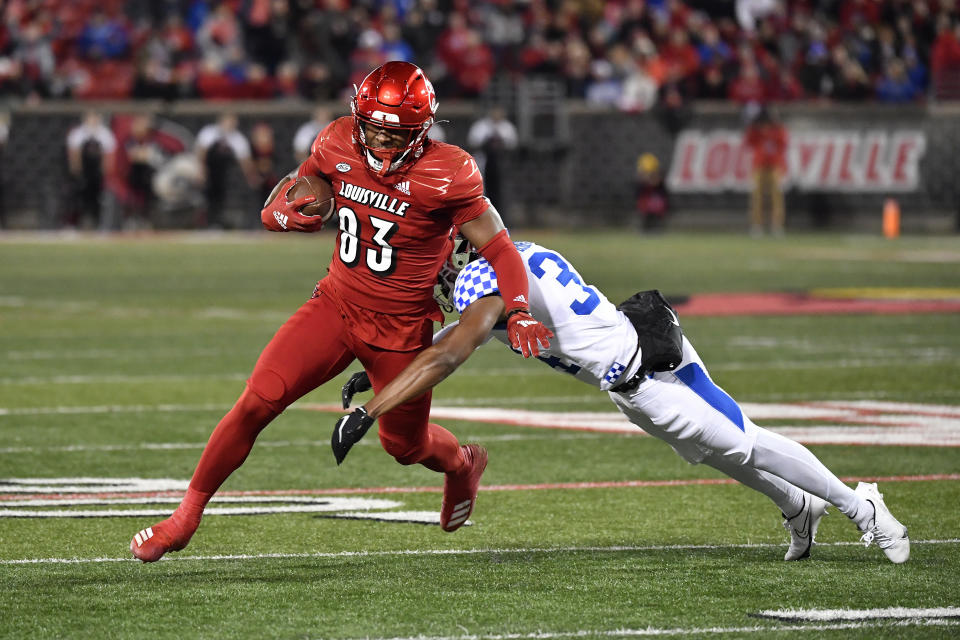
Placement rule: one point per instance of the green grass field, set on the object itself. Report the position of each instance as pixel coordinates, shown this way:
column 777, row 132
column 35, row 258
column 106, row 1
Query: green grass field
column 118, row 355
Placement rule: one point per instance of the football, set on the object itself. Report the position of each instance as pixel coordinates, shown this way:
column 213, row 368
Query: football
column 316, row 186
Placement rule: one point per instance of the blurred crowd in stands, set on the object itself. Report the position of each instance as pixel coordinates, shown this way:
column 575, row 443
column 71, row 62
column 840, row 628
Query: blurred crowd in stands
column 626, row 53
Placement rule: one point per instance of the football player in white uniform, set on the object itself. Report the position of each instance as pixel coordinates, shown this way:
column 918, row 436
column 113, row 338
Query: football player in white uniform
column 637, row 353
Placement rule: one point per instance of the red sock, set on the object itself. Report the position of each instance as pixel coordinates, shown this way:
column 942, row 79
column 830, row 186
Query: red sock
column 226, row 450
column 190, row 511
column 441, row 451
column 229, row 444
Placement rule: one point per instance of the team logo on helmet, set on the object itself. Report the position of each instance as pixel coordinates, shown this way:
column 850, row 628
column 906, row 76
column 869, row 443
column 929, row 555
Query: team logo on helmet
column 343, row 167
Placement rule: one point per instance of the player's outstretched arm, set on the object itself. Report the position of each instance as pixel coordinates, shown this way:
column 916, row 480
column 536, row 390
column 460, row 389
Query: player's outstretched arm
column 440, row 360
column 360, row 381
column 490, row 236
column 426, row 371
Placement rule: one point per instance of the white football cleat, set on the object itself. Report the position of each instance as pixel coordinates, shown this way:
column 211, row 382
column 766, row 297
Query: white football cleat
column 890, row 535
column 803, row 527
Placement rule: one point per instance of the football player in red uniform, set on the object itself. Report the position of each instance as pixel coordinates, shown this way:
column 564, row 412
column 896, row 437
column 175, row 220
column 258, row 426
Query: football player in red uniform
column 398, row 194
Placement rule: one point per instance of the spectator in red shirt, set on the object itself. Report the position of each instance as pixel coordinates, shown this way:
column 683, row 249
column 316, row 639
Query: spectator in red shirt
column 748, row 86
column 767, row 139
column 679, row 56
column 474, row 69
column 453, row 41
column 945, row 57
column 854, row 13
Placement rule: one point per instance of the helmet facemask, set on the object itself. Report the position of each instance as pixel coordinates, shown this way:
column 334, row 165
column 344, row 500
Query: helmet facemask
column 384, row 159
column 461, row 254
column 396, row 97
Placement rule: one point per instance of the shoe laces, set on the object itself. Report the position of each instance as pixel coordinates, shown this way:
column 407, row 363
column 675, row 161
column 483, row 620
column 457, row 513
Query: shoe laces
column 875, row 532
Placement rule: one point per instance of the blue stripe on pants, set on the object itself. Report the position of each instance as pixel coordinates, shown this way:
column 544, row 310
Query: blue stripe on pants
column 696, row 378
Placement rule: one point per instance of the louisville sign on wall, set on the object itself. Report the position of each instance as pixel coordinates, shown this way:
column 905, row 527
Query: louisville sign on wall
column 872, row 161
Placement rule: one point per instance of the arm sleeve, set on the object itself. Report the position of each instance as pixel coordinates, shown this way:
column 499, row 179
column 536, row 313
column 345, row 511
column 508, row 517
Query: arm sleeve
column 508, row 265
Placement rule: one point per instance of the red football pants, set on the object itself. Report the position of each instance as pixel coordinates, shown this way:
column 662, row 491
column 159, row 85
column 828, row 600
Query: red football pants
column 316, row 344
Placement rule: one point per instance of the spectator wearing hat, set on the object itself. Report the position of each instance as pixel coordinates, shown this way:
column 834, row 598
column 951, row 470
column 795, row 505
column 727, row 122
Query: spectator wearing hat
column 652, row 199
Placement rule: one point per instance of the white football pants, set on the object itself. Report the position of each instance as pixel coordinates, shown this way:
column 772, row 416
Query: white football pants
column 703, row 424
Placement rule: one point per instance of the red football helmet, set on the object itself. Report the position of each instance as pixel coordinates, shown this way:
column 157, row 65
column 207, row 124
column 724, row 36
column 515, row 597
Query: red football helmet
column 398, row 97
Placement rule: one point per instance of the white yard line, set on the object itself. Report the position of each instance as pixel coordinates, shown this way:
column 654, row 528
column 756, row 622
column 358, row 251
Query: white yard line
column 117, row 379
column 117, row 408
column 835, row 615
column 693, row 631
column 449, row 552
column 101, row 354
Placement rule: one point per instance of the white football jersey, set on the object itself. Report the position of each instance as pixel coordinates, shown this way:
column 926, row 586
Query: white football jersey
column 593, row 340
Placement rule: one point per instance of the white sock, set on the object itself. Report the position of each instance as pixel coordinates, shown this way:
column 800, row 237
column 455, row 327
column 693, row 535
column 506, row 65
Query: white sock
column 788, row 498
column 865, row 515
column 795, row 463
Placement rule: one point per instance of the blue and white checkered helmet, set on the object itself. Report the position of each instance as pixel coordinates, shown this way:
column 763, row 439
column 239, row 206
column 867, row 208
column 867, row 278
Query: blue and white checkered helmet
column 477, row 280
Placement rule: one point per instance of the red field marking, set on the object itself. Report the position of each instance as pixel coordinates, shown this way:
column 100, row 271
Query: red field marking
column 782, row 304
column 623, row 484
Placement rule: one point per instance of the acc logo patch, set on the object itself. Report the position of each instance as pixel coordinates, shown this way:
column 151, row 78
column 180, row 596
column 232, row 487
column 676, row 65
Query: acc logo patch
column 343, row 167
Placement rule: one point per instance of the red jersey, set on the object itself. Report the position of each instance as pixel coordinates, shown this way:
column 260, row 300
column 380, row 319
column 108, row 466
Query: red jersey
column 394, row 230
column 769, row 145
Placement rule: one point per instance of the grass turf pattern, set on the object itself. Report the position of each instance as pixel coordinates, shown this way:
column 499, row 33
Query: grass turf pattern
column 118, row 356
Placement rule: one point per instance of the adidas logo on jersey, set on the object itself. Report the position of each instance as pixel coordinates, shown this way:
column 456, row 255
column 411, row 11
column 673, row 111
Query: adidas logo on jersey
column 521, row 299
column 403, row 187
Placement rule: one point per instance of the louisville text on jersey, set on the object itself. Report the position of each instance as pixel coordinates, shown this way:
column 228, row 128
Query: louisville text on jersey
column 375, row 199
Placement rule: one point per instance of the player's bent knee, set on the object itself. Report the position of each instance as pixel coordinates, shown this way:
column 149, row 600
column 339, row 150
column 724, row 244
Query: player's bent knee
column 270, row 387
column 403, row 451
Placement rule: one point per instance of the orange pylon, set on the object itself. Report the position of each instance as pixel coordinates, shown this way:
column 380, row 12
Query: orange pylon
column 891, row 218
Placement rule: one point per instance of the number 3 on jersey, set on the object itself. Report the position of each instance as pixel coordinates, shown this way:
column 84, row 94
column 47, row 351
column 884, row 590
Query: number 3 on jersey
column 564, row 277
column 380, row 260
